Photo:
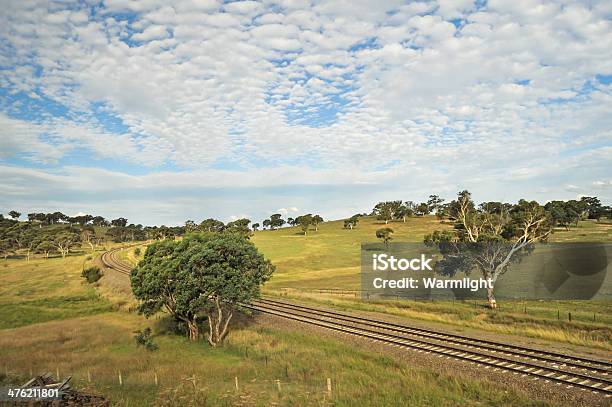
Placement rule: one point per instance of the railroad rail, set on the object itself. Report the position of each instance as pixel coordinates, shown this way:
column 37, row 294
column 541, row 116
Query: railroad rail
column 569, row 370
column 313, row 316
column 110, row 260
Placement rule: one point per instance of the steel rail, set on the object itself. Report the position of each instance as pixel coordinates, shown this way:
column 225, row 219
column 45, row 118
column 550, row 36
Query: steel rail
column 518, row 367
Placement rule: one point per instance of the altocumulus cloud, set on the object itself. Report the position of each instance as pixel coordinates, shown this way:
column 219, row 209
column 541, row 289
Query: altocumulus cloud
column 208, row 108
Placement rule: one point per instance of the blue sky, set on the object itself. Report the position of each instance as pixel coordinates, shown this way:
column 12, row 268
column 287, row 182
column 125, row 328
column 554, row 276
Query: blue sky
column 163, row 112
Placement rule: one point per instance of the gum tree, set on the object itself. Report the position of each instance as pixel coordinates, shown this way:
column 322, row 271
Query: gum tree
column 202, row 277
column 489, row 238
column 384, row 234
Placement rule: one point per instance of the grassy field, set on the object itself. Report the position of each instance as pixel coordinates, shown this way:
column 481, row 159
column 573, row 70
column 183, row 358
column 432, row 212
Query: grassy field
column 53, row 321
column 330, row 258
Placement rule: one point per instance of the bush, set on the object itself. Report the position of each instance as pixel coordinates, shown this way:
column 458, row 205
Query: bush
column 137, row 251
column 143, row 338
column 92, row 274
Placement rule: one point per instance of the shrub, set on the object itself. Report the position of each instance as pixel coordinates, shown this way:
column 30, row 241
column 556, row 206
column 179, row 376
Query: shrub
column 143, row 338
column 137, row 251
column 92, row 274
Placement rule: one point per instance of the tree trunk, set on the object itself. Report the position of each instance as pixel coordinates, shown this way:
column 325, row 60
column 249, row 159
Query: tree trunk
column 218, row 323
column 491, row 298
column 194, row 331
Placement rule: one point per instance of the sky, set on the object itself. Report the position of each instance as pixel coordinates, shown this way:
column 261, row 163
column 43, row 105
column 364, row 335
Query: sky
column 166, row 111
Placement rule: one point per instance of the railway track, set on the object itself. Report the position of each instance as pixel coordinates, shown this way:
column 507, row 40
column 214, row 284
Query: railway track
column 110, row 260
column 571, row 371
column 568, row 370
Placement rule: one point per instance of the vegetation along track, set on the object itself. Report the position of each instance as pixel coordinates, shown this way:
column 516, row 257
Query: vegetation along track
column 569, row 370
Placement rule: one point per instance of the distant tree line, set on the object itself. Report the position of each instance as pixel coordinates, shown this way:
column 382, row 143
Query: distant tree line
column 49, row 234
column 562, row 213
column 490, row 236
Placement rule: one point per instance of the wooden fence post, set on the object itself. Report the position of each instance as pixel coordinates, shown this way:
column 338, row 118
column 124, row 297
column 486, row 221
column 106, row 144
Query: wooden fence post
column 329, row 388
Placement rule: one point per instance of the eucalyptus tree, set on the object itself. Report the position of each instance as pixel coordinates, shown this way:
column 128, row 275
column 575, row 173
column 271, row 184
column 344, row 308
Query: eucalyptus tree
column 489, row 238
column 384, row 234
column 316, row 219
column 304, row 221
column 351, row 222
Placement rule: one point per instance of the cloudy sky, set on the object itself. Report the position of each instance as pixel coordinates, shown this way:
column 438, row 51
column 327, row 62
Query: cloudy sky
column 205, row 108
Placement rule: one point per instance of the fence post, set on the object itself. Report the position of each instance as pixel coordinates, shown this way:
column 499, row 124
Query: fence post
column 278, row 385
column 236, row 380
column 569, row 316
column 120, row 379
column 88, row 376
column 155, row 378
column 329, row 388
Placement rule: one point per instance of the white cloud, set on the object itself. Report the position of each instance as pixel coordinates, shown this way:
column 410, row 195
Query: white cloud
column 329, row 93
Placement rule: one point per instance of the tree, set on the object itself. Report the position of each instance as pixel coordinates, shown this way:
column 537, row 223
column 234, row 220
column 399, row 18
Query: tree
column 385, row 235
column 489, row 239
column 89, row 237
column 316, row 219
column 14, row 214
column 562, row 213
column 593, row 206
column 122, row 222
column 266, row 223
column 204, row 275
column 190, row 226
column 99, row 221
column 385, row 210
column 276, row 221
column 212, row 225
column 351, row 222
column 304, row 221
column 434, row 202
column 240, row 226
column 442, row 211
column 422, row 209
column 66, row 240
column 256, row 226
column 404, row 211
column 45, row 247
column 7, row 247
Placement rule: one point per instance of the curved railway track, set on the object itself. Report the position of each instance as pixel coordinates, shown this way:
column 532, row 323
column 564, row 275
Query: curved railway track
column 569, row 370
column 110, row 260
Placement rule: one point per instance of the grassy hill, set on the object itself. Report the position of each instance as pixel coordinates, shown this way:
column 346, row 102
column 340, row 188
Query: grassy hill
column 329, row 257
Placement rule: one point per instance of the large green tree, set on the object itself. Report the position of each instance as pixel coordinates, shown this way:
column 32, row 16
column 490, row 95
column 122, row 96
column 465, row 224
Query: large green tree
column 204, row 276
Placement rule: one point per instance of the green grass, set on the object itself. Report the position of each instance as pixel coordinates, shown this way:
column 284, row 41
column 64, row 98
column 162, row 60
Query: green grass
column 258, row 356
column 51, row 320
column 45, row 289
column 66, row 328
column 330, row 258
